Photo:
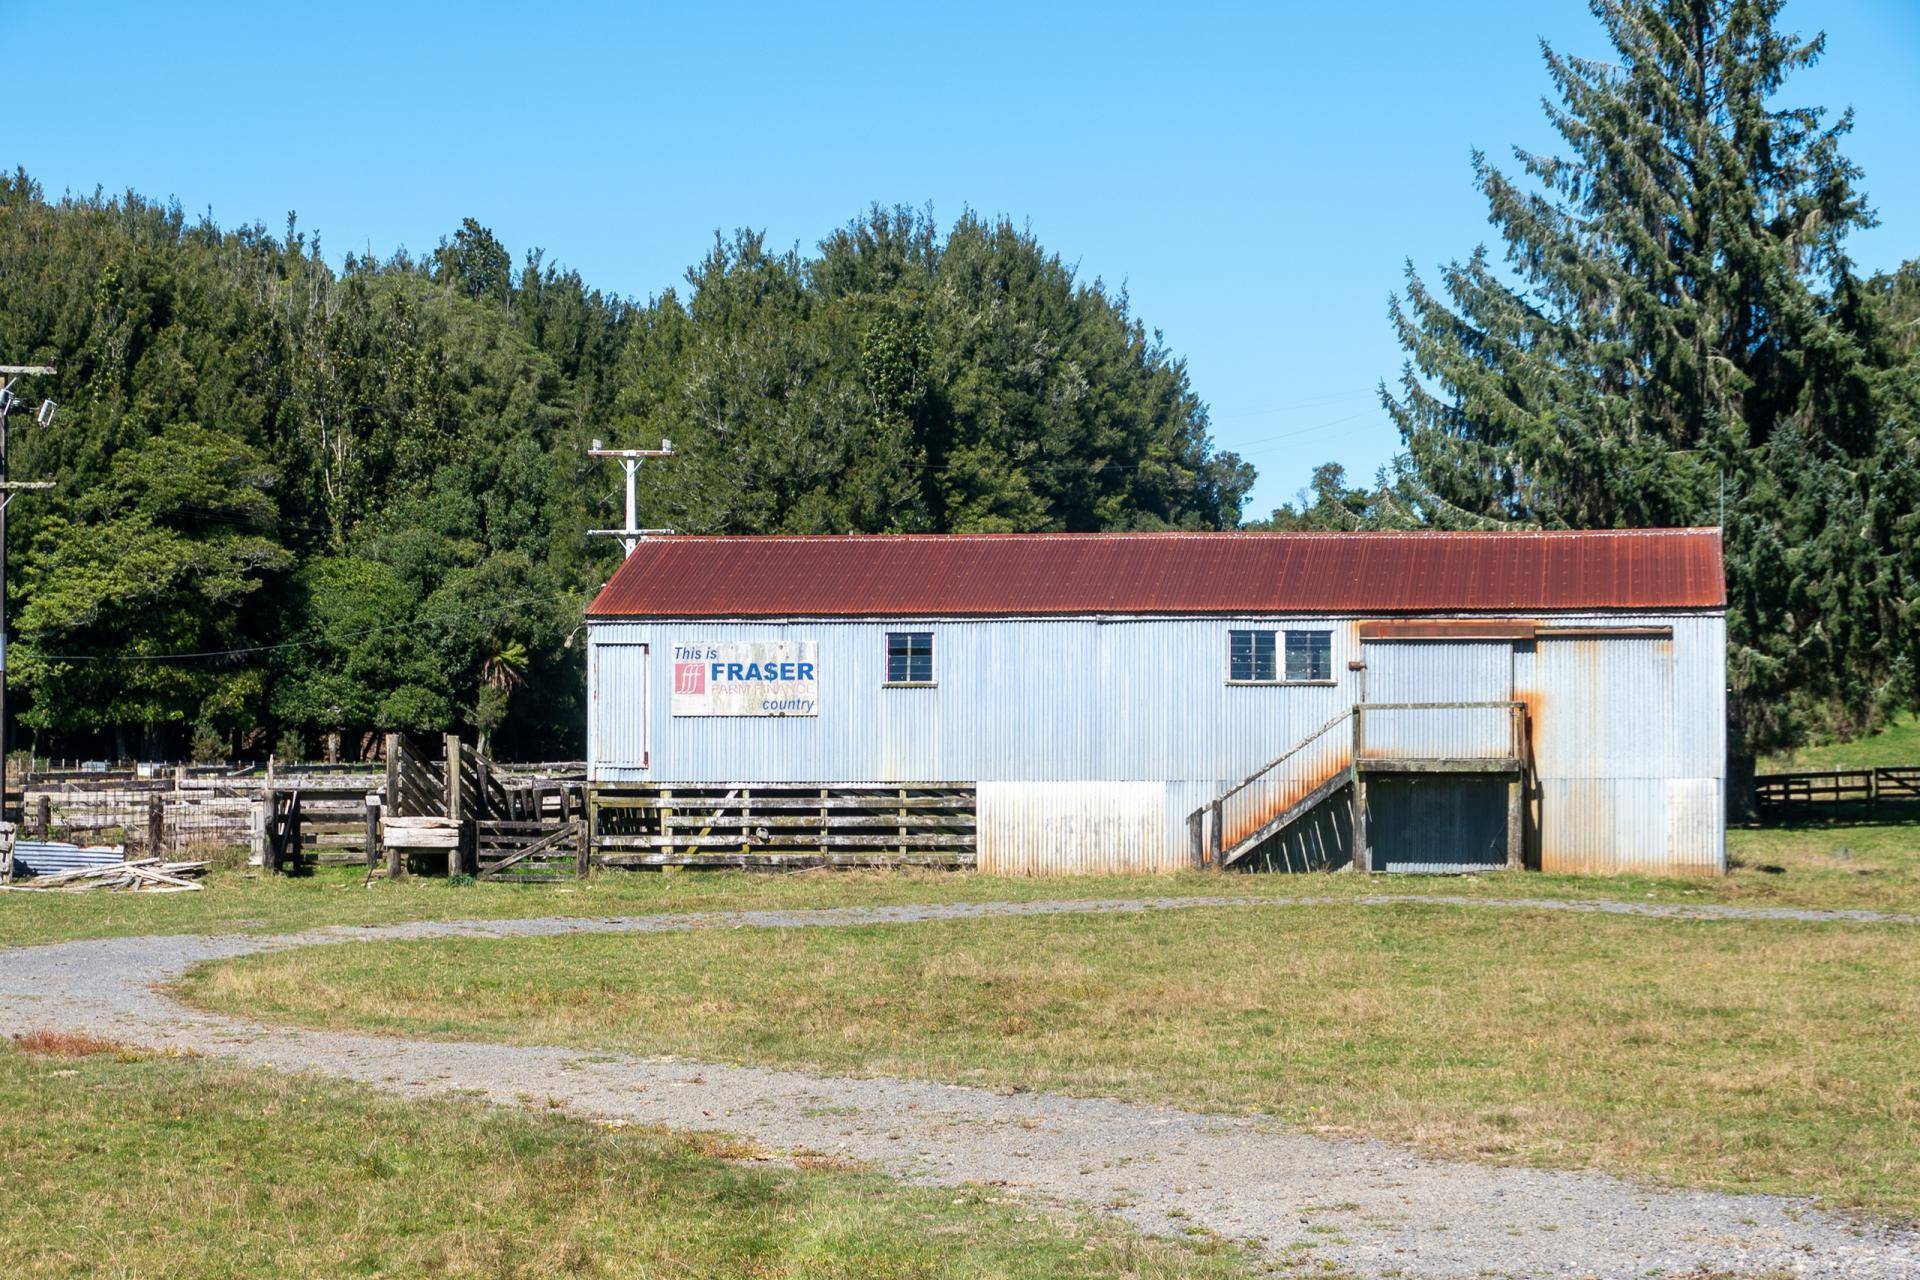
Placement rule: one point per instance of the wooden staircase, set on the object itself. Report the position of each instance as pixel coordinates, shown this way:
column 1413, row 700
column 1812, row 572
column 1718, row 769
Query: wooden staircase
column 1368, row 738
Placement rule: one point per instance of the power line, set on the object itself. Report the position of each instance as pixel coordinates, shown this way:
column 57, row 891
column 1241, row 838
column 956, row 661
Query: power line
column 245, row 650
column 1312, row 402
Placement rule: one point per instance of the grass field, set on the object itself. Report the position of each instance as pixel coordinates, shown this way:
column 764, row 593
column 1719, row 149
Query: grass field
column 1897, row 744
column 1875, row 866
column 124, row 1165
column 1736, row 1055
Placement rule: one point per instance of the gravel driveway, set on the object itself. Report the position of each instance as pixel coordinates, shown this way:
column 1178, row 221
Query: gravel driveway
column 1372, row 1208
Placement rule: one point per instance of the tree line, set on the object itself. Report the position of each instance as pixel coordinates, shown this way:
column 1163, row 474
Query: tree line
column 299, row 505
column 1675, row 334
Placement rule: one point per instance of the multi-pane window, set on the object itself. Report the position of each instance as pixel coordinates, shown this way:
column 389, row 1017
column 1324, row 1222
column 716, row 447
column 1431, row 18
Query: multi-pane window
column 909, row 657
column 1309, row 655
column 1250, row 655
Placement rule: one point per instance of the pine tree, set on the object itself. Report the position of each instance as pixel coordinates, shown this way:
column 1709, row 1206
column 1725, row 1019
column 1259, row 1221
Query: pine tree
column 1675, row 335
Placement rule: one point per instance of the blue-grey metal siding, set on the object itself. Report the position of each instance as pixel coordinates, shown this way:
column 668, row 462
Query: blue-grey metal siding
column 1630, row 749
column 1628, row 733
column 49, row 857
column 1437, row 822
column 1012, row 700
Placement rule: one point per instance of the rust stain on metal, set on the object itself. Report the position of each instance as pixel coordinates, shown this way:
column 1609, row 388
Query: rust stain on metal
column 1296, row 791
column 1450, row 629
column 1091, row 574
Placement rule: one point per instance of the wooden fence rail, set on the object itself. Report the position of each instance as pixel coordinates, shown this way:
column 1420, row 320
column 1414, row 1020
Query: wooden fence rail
column 1789, row 794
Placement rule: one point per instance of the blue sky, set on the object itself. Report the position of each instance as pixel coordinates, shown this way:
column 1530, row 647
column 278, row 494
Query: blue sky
column 1254, row 175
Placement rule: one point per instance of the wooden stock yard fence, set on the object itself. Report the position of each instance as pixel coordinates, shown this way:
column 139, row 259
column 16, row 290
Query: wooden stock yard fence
column 293, row 817
column 783, row 826
column 1791, row 795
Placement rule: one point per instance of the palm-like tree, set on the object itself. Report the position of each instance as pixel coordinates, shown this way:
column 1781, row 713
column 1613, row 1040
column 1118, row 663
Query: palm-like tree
column 502, row 671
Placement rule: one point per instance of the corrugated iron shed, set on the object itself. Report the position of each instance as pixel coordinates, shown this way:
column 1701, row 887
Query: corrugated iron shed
column 1084, row 574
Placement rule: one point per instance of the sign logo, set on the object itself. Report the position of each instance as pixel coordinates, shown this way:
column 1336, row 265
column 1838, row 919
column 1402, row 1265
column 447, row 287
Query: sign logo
column 751, row 678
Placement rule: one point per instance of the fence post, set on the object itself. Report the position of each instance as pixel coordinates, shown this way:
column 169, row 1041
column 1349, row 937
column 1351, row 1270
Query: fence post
column 393, row 773
column 269, row 836
column 456, row 810
column 373, row 830
column 156, row 825
column 1362, row 854
column 43, row 817
column 586, row 843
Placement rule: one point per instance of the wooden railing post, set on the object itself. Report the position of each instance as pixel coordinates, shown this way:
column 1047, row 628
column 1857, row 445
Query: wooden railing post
column 392, row 799
column 1362, row 852
column 373, row 830
column 455, row 807
column 156, row 825
column 269, row 822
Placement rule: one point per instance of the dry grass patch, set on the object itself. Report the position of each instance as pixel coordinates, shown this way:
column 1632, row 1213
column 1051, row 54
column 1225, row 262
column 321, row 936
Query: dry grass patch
column 1757, row 1056
column 48, row 1043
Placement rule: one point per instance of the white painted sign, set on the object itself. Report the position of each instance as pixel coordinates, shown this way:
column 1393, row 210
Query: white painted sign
column 779, row 678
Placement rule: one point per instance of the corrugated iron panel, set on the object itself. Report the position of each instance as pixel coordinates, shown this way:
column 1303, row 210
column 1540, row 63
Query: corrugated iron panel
column 1084, row 700
column 1654, row 826
column 1629, row 738
column 49, row 857
column 1437, row 824
column 1019, row 699
column 618, row 697
column 1028, row 575
column 1432, row 671
column 1080, row 828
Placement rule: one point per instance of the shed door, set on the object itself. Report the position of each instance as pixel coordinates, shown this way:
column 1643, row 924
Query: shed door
column 1422, row 672
column 617, row 715
column 1437, row 822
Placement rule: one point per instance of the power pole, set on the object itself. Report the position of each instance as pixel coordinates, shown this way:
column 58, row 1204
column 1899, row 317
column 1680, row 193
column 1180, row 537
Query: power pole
column 9, row 401
column 630, row 459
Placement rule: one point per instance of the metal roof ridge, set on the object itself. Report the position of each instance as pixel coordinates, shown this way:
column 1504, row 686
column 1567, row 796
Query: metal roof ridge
column 1189, row 534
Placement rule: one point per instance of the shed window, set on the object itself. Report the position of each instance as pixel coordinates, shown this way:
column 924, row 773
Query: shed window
column 1250, row 656
column 1309, row 655
column 909, row 657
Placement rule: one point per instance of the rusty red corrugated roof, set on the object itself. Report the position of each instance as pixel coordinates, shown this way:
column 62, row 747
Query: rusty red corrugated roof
column 1052, row 574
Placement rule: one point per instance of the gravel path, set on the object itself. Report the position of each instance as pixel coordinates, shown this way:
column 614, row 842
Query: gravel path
column 1372, row 1208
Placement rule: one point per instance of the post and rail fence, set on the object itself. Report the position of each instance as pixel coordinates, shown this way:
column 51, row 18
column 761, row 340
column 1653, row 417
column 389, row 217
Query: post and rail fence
column 1807, row 792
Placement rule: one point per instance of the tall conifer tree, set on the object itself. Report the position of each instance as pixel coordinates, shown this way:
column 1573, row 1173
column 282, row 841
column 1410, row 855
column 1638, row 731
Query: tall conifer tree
column 1676, row 334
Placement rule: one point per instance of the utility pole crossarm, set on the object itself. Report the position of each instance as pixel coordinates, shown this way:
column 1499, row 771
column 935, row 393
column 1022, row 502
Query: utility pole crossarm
column 27, row 368
column 630, row 460
column 8, row 486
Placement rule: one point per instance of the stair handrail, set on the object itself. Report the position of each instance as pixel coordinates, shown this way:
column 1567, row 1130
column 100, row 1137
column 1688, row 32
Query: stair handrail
column 1276, row 762
column 1211, row 849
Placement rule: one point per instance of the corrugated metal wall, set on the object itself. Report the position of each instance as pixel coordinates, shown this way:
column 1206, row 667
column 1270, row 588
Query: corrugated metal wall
column 1073, row 700
column 1439, row 671
column 1437, row 822
column 617, row 695
column 1086, row 828
column 1013, row 700
column 1630, row 749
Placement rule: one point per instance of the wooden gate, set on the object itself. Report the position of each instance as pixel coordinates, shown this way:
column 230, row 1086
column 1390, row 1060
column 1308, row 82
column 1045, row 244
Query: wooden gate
column 519, row 849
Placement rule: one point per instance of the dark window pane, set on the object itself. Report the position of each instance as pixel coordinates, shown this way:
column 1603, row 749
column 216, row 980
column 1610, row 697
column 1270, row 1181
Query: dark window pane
column 1309, row 655
column 1250, row 655
column 909, row 657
